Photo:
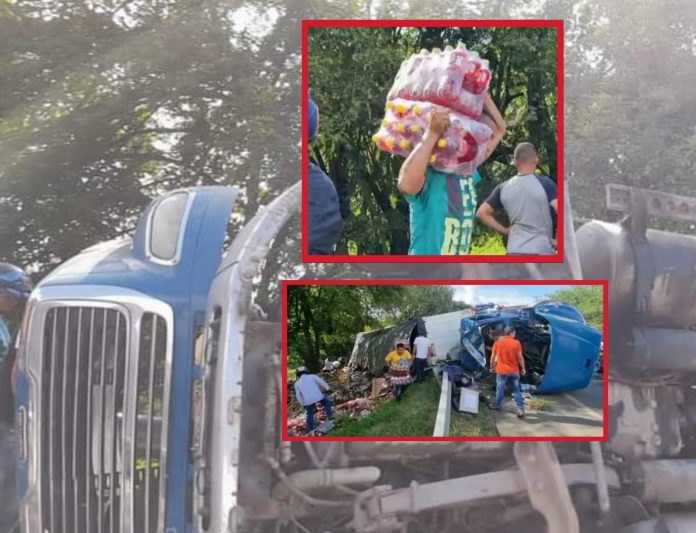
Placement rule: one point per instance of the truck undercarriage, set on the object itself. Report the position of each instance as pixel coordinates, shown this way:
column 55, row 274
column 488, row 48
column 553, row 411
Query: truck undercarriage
column 242, row 477
column 642, row 480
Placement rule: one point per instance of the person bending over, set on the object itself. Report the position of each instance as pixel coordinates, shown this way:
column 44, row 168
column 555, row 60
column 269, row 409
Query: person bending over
column 310, row 390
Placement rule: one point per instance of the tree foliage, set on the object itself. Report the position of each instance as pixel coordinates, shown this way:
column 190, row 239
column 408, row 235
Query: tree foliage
column 589, row 299
column 106, row 104
column 352, row 69
column 323, row 320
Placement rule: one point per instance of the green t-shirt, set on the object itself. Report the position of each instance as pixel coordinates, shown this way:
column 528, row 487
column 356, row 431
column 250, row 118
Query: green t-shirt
column 442, row 214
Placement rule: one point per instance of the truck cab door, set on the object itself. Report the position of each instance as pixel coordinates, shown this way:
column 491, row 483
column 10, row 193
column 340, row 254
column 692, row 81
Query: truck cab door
column 573, row 353
column 237, row 407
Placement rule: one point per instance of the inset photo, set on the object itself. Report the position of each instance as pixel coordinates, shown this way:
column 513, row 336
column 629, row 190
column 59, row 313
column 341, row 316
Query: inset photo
column 436, row 141
column 403, row 360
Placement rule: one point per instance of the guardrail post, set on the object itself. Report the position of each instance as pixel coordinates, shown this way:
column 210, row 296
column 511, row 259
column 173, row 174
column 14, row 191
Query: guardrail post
column 442, row 422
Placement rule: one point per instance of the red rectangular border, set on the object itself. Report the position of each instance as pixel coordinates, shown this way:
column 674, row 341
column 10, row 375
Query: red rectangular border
column 307, row 258
column 605, row 338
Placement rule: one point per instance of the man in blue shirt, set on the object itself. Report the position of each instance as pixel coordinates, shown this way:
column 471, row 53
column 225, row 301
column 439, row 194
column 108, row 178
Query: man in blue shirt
column 443, row 205
column 15, row 287
column 324, row 215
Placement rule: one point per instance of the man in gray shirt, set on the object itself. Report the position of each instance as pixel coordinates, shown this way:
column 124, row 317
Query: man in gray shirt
column 530, row 201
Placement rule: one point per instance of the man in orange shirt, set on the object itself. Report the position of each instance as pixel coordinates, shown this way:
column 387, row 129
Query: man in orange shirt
column 507, row 362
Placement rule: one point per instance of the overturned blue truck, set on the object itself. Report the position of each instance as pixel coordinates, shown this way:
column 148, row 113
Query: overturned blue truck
column 149, row 392
column 560, row 349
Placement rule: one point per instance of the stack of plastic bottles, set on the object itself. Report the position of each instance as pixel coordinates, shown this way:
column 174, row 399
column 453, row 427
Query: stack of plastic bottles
column 454, row 78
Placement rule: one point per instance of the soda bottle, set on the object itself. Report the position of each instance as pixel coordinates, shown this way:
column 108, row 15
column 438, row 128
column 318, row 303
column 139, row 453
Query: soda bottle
column 482, row 79
column 401, row 78
column 468, row 149
column 477, row 75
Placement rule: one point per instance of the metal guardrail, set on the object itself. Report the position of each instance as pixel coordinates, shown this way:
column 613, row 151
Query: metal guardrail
column 658, row 204
column 444, row 408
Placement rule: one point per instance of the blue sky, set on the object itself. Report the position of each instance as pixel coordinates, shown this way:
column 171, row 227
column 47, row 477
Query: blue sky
column 504, row 294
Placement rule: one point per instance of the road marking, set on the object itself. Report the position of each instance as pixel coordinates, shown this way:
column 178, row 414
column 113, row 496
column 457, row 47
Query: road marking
column 582, row 406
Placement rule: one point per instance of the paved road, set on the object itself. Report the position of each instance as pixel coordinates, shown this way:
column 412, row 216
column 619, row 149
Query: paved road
column 576, row 414
column 591, row 395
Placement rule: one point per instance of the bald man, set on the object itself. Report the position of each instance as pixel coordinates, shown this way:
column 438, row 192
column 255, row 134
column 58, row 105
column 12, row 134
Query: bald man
column 530, row 201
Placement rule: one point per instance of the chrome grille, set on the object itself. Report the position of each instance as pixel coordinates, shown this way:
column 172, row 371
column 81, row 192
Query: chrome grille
column 89, row 369
column 150, row 396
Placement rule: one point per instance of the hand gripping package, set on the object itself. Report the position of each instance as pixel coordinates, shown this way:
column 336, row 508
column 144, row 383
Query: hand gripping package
column 456, row 79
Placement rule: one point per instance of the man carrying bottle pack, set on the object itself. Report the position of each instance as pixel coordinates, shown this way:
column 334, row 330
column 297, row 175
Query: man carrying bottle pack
column 443, row 205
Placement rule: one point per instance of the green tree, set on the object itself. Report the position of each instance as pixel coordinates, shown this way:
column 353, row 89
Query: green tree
column 423, row 300
column 350, row 73
column 589, row 299
column 324, row 319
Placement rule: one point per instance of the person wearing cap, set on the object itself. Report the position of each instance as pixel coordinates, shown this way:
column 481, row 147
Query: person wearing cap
column 324, row 214
column 507, row 362
column 399, row 361
column 530, row 201
column 310, row 390
column 442, row 205
column 15, row 287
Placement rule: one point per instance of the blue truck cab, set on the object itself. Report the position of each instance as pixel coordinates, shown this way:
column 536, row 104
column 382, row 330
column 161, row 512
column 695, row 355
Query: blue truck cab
column 560, row 349
column 104, row 372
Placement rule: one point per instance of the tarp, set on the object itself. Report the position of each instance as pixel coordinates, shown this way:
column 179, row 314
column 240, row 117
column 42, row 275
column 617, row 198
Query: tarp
column 372, row 347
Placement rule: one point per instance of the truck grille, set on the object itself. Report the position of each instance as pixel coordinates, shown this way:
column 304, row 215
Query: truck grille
column 101, row 416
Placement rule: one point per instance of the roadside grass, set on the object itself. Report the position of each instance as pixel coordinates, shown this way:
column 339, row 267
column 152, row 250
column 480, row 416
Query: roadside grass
column 414, row 415
column 538, row 403
column 488, row 245
column 470, row 425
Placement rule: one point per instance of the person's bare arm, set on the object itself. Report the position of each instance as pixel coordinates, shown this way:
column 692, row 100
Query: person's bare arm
column 494, row 357
column 412, row 173
column 485, row 214
column 500, row 124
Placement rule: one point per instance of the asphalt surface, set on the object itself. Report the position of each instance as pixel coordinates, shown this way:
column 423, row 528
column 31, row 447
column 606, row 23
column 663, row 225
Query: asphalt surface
column 576, row 414
column 591, row 396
